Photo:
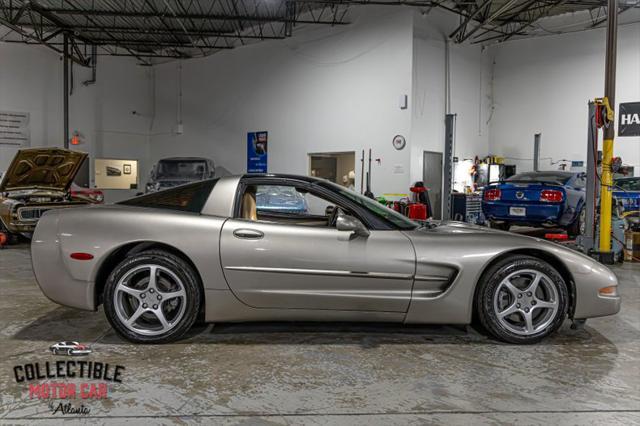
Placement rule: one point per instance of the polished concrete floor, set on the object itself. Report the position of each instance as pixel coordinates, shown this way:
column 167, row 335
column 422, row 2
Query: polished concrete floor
column 278, row 373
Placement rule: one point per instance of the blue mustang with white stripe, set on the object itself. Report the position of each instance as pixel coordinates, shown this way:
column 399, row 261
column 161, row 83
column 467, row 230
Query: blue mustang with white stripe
column 540, row 199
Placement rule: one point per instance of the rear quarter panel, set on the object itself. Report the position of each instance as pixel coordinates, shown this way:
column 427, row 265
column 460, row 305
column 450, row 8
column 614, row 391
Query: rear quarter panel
column 102, row 230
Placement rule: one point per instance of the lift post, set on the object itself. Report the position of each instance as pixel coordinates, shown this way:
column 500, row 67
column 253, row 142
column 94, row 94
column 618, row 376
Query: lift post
column 447, row 167
column 605, row 254
column 536, row 151
column 588, row 239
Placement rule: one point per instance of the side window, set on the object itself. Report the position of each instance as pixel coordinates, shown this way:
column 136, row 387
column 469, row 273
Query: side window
column 286, row 204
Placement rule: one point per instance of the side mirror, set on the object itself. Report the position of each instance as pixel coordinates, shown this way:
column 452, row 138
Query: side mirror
column 344, row 222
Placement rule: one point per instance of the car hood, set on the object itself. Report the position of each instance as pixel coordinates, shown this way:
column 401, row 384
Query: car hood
column 465, row 242
column 42, row 168
column 453, row 227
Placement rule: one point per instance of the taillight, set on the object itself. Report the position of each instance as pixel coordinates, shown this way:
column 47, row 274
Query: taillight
column 551, row 195
column 492, row 194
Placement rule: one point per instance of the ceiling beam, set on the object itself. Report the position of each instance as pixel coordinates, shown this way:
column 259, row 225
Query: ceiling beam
column 210, row 17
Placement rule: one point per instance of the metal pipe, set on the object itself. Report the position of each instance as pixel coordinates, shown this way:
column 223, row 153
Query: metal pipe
column 94, row 66
column 65, row 88
column 609, row 130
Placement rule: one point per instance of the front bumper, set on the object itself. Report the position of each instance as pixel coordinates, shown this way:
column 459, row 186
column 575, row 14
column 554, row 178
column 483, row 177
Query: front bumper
column 589, row 280
column 23, row 218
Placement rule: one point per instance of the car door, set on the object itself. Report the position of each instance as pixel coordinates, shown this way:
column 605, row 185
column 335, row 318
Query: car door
column 301, row 264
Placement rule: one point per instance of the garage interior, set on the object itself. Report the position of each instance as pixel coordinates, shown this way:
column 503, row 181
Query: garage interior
column 372, row 95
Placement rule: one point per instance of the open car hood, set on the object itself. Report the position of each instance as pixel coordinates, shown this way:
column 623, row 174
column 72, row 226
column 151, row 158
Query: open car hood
column 42, row 168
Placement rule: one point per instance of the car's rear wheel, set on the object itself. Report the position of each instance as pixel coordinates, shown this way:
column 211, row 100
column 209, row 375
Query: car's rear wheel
column 522, row 299
column 152, row 297
column 579, row 225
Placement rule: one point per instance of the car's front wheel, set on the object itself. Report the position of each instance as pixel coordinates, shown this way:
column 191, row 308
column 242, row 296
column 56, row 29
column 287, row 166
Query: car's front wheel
column 152, row 297
column 522, row 299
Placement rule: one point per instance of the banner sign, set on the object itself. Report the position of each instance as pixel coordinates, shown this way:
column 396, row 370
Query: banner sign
column 14, row 128
column 257, row 152
column 629, row 121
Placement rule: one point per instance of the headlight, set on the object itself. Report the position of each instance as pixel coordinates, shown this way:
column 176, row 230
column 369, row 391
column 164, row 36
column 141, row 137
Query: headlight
column 152, row 187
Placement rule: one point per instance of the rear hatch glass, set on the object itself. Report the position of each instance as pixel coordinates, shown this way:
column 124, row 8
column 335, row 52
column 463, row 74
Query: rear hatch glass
column 189, row 198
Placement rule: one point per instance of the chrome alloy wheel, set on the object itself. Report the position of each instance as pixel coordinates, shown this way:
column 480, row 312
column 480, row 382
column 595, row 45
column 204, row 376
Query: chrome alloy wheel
column 526, row 302
column 150, row 300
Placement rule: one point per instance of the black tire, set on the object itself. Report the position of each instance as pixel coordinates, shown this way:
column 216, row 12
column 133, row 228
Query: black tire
column 489, row 284
column 574, row 229
column 189, row 280
column 502, row 226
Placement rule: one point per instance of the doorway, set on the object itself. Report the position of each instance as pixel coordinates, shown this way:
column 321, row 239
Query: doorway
column 338, row 167
column 432, row 178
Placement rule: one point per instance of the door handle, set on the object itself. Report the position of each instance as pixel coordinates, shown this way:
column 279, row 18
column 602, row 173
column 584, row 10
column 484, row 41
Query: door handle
column 248, row 234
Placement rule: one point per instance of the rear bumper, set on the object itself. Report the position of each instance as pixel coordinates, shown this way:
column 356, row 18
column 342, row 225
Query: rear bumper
column 52, row 276
column 535, row 213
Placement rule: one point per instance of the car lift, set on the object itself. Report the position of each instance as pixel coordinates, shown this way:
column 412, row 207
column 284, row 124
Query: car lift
column 602, row 115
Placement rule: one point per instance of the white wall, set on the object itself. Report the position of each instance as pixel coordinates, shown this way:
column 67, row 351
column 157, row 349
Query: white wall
column 31, row 81
column 324, row 90
column 469, row 73
column 544, row 84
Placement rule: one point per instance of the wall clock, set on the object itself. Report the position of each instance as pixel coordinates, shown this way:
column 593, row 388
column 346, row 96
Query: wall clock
column 399, row 142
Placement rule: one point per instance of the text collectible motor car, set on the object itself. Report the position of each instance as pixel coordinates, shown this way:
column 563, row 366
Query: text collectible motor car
column 205, row 250
column 548, row 198
column 38, row 180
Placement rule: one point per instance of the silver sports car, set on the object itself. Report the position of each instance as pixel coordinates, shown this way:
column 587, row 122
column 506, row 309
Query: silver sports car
column 206, row 250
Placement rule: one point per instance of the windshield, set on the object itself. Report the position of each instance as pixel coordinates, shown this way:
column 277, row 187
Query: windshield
column 628, row 184
column 544, row 177
column 181, row 169
column 375, row 207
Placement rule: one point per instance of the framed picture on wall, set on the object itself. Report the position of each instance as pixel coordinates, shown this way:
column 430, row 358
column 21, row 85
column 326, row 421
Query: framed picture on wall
column 113, row 173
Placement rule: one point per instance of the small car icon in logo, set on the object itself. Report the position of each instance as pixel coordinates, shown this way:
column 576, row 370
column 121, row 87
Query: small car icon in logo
column 70, row 348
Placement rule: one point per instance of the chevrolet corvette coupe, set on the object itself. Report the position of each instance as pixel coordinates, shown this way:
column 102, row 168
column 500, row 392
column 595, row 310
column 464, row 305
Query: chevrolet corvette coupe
column 208, row 251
